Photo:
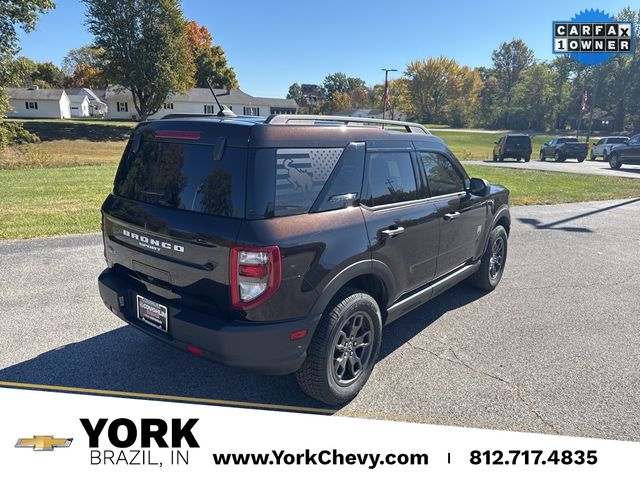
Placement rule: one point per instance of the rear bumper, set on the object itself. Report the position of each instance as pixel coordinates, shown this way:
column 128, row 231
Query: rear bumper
column 262, row 347
column 516, row 152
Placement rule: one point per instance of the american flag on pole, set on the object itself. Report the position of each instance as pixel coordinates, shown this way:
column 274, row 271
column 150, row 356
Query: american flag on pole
column 584, row 100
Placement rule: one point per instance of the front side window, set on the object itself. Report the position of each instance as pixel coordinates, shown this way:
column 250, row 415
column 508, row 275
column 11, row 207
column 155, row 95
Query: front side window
column 442, row 176
column 635, row 140
column 391, row 178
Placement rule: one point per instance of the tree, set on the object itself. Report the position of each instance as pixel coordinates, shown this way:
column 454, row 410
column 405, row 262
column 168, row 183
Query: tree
column 335, row 82
column 295, row 93
column 85, row 75
column 13, row 13
column 534, row 98
column 47, row 75
column 340, row 101
column 435, row 84
column 86, row 55
column 145, row 47
column 20, row 71
column 509, row 61
column 209, row 59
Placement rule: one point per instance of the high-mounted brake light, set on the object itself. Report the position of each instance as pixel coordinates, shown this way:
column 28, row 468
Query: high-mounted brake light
column 179, row 134
column 255, row 274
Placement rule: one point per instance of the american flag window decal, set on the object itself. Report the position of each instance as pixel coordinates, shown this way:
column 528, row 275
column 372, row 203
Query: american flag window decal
column 300, row 175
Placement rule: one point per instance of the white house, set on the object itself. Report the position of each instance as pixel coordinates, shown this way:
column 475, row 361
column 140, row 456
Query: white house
column 97, row 107
column 79, row 105
column 38, row 103
column 199, row 101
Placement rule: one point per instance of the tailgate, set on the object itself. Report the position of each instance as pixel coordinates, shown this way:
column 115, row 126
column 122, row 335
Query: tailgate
column 180, row 256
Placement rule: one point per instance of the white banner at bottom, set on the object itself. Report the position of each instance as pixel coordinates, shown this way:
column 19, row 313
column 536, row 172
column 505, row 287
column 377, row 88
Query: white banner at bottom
column 48, row 435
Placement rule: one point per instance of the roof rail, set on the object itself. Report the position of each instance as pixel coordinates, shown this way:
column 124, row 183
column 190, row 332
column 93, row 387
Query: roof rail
column 284, row 119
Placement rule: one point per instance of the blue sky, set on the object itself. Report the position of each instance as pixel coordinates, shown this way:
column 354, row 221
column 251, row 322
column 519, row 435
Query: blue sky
column 273, row 43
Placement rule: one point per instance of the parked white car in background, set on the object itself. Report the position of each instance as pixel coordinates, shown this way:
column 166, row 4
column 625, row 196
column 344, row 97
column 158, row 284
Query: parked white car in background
column 602, row 147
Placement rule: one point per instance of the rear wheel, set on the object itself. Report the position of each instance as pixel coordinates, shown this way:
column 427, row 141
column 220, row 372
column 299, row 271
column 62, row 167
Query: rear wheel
column 493, row 261
column 605, row 156
column 542, row 156
column 558, row 158
column 526, row 159
column 614, row 161
column 495, row 159
column 344, row 349
column 580, row 159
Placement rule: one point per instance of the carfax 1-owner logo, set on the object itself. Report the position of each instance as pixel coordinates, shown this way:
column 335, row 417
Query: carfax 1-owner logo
column 593, row 36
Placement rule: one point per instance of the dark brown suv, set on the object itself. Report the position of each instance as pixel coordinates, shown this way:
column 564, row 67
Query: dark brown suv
column 285, row 244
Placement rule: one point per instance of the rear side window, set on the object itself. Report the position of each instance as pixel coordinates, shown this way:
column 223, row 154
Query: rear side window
column 442, row 176
column 184, row 176
column 391, row 178
column 616, row 140
column 300, row 176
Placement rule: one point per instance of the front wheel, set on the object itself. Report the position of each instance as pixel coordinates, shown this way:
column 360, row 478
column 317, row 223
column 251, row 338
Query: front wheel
column 542, row 157
column 605, row 156
column 580, row 159
column 593, row 157
column 526, row 159
column 493, row 261
column 344, row 349
column 614, row 161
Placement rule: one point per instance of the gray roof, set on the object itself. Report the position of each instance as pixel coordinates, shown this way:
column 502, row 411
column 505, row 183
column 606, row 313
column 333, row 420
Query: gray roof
column 203, row 95
column 40, row 94
column 76, row 98
column 92, row 95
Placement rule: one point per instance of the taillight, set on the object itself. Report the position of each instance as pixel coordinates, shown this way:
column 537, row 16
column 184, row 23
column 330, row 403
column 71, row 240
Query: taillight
column 255, row 275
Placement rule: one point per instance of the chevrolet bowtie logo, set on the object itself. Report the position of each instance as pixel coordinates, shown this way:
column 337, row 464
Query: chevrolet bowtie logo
column 43, row 442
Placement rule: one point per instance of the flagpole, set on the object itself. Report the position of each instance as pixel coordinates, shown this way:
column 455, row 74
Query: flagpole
column 384, row 98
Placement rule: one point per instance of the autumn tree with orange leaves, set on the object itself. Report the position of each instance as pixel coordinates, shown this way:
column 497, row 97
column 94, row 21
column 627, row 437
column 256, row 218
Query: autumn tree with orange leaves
column 209, row 59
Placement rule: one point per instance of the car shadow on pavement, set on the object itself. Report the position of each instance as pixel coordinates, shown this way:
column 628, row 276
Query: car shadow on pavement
column 538, row 224
column 127, row 360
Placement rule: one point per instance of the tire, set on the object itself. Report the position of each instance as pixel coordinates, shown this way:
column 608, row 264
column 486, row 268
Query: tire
column 542, row 157
column 614, row 161
column 319, row 376
column 526, row 159
column 592, row 158
column 494, row 158
column 500, row 158
column 558, row 158
column 605, row 156
column 487, row 277
column 580, row 159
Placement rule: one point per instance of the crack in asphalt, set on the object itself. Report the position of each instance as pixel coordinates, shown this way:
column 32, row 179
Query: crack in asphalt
column 519, row 394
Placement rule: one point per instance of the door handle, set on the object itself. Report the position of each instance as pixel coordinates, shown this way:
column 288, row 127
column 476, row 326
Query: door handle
column 451, row 216
column 393, row 231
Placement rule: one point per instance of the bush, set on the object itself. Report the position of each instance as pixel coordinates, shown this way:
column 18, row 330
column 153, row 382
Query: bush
column 13, row 133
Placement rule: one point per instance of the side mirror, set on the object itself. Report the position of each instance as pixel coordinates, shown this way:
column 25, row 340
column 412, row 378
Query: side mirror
column 478, row 187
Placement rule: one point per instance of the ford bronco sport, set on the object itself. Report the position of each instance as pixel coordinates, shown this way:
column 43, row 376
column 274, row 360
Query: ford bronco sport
column 285, row 244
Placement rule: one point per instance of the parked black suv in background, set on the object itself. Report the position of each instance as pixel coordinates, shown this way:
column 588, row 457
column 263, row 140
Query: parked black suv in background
column 286, row 244
column 517, row 146
column 627, row 152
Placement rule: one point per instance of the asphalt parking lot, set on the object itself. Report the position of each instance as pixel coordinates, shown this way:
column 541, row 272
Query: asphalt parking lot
column 555, row 349
column 568, row 166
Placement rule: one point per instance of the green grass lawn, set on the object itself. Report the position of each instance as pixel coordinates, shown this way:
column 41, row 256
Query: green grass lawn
column 57, row 201
column 52, row 201
column 479, row 145
column 533, row 187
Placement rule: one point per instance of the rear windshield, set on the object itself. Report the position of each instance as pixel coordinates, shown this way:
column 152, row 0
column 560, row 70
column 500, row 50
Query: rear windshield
column 568, row 140
column 617, row 140
column 518, row 140
column 184, row 176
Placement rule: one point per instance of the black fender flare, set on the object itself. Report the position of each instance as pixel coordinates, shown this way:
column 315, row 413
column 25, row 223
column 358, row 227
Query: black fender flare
column 362, row 267
column 503, row 212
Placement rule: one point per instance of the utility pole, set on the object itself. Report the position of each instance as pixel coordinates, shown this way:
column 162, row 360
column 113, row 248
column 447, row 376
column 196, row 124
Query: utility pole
column 384, row 98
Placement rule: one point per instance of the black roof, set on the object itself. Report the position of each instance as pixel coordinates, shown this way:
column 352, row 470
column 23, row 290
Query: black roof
column 243, row 131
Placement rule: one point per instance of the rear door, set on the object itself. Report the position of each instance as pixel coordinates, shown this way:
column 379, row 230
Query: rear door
column 176, row 209
column 403, row 228
column 462, row 217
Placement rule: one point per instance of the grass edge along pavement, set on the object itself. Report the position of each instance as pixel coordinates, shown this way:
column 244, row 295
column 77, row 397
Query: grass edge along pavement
column 60, row 201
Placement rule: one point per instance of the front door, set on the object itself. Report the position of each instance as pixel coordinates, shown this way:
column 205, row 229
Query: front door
column 462, row 216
